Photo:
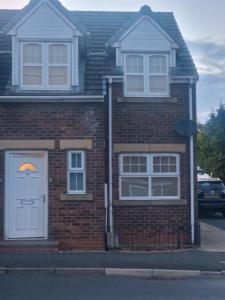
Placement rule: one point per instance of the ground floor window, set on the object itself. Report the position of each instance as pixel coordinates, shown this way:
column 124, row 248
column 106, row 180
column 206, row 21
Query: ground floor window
column 76, row 172
column 149, row 176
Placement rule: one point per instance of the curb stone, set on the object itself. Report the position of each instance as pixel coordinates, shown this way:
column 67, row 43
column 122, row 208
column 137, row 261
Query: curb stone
column 140, row 273
column 173, row 274
column 80, row 271
column 2, row 271
column 144, row 273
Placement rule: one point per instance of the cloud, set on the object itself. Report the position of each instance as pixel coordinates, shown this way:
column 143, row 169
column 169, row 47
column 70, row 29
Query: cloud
column 209, row 57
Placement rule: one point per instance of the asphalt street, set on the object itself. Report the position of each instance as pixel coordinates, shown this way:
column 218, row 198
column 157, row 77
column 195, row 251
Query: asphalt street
column 55, row 287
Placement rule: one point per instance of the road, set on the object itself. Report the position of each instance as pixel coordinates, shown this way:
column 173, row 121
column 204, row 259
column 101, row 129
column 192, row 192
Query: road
column 55, row 287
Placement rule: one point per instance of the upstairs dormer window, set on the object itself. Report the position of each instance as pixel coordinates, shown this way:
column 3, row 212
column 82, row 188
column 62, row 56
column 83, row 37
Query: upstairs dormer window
column 146, row 75
column 45, row 65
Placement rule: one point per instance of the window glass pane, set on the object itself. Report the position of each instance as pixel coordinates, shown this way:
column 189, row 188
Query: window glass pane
column 76, row 160
column 32, row 53
column 165, row 168
column 135, row 83
column 58, row 75
column 158, row 84
column 164, row 160
column 134, row 186
column 143, row 168
column 76, row 181
column 126, row 160
column 134, row 64
column 157, row 64
column 80, row 181
column 58, row 54
column 172, row 160
column 172, row 168
column 134, row 164
column 32, row 75
column 134, row 168
column 126, row 168
column 156, row 168
column 164, row 186
column 164, row 164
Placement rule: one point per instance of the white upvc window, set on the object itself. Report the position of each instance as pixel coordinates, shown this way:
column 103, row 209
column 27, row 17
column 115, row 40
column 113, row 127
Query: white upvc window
column 149, row 176
column 76, row 174
column 146, row 75
column 45, row 65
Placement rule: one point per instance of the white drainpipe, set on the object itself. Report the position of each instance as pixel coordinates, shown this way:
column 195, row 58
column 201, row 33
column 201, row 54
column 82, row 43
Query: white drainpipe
column 110, row 158
column 192, row 181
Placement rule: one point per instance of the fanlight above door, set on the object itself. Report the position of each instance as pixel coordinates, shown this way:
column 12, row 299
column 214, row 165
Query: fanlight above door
column 27, row 167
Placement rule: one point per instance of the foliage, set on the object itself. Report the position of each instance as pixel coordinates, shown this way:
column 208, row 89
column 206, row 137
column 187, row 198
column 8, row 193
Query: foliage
column 211, row 144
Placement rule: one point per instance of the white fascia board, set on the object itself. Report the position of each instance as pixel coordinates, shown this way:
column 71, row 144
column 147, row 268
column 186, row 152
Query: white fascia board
column 118, row 42
column 184, row 79
column 13, row 30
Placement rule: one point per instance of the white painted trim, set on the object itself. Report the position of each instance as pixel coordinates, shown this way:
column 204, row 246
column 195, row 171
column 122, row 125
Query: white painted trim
column 75, row 62
column 140, row 20
column 76, row 170
column 119, row 57
column 15, row 61
column 7, row 189
column 150, row 174
column 13, row 30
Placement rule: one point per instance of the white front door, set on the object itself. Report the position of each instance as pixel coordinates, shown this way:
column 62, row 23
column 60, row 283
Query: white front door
column 26, row 194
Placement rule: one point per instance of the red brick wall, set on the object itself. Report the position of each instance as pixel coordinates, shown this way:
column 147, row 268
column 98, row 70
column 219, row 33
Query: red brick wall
column 75, row 224
column 80, row 224
column 150, row 123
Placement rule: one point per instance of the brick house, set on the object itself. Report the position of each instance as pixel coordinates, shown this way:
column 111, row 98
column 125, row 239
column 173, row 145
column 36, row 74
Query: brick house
column 89, row 152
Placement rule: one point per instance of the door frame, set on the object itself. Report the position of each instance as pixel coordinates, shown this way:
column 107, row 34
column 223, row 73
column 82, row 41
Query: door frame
column 7, row 194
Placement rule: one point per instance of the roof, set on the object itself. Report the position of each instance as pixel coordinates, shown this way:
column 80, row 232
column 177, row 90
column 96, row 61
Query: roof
column 103, row 27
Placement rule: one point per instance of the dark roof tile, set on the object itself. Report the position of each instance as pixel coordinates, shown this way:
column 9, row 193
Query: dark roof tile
column 103, row 28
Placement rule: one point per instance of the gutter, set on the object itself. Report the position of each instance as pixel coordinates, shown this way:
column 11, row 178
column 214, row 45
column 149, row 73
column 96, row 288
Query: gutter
column 29, row 99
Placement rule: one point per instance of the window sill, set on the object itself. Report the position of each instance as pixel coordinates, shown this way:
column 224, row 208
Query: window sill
column 150, row 202
column 76, row 197
column 141, row 99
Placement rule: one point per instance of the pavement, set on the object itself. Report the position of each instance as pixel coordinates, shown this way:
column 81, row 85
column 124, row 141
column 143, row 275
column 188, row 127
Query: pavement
column 213, row 232
column 177, row 260
column 210, row 259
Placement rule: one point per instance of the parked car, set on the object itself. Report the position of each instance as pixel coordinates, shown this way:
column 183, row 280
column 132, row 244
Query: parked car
column 202, row 174
column 211, row 195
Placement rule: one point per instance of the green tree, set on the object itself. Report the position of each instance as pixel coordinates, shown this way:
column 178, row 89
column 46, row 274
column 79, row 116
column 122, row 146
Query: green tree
column 211, row 144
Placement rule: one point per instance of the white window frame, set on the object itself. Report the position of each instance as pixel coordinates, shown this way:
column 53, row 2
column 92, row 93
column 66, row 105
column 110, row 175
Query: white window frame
column 149, row 174
column 45, row 67
column 134, row 74
column 158, row 74
column 70, row 170
column 22, row 64
column 146, row 74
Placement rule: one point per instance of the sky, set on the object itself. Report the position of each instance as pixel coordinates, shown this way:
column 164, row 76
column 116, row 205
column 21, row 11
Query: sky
column 202, row 24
